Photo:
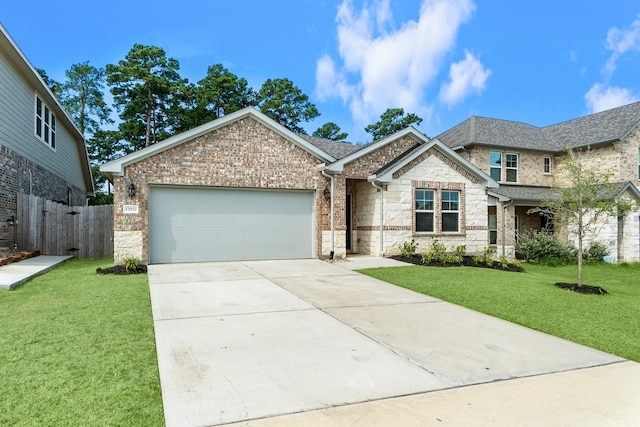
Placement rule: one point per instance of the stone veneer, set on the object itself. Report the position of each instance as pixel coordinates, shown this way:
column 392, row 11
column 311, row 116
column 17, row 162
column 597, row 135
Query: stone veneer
column 244, row 153
column 15, row 178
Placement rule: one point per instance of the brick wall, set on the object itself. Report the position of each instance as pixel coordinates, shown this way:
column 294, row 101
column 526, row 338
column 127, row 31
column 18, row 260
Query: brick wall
column 244, row 153
column 15, row 178
column 368, row 164
column 530, row 165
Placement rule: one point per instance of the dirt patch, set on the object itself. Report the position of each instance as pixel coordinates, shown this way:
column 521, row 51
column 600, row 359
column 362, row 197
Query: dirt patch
column 467, row 261
column 121, row 269
column 584, row 289
column 7, row 256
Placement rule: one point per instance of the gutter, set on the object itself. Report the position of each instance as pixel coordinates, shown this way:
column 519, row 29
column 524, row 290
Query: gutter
column 322, row 168
column 372, row 180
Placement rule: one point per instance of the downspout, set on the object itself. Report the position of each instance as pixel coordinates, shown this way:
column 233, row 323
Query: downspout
column 373, row 182
column 504, row 214
column 331, row 254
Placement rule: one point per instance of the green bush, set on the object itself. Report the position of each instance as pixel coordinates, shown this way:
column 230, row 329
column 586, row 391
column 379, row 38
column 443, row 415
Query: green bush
column 544, row 248
column 408, row 248
column 130, row 263
column 435, row 253
column 595, row 253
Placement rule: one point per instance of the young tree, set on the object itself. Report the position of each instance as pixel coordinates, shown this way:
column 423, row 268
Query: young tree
column 147, row 90
column 82, row 97
column 285, row 103
column 587, row 198
column 391, row 121
column 330, row 130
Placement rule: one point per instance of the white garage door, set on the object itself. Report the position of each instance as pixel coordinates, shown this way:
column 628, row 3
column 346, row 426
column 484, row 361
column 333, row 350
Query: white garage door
column 190, row 224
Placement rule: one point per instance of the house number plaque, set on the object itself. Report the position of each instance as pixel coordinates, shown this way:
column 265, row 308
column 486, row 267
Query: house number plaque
column 130, row 209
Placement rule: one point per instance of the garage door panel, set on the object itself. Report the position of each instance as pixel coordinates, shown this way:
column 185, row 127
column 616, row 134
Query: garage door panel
column 196, row 224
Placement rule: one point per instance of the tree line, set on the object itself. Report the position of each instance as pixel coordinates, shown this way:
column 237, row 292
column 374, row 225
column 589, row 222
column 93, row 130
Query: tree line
column 153, row 102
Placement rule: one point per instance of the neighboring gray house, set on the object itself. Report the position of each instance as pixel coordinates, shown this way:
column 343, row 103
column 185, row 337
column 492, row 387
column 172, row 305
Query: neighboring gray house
column 41, row 151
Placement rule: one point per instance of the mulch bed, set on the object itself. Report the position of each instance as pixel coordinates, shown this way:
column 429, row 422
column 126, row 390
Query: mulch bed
column 467, row 261
column 584, row 289
column 120, row 269
column 7, row 256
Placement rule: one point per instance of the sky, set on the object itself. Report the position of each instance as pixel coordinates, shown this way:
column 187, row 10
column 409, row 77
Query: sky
column 539, row 62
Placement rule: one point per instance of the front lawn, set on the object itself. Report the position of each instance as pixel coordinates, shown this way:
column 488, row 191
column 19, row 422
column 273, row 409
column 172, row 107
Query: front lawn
column 78, row 349
column 610, row 323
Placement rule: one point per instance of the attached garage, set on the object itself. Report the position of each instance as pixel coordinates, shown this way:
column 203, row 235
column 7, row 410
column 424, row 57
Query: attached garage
column 192, row 224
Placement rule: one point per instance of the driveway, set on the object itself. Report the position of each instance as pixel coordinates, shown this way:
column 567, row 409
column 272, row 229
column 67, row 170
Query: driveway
column 308, row 342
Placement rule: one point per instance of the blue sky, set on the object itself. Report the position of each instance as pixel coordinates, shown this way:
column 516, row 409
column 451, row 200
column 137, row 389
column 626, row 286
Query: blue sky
column 539, row 62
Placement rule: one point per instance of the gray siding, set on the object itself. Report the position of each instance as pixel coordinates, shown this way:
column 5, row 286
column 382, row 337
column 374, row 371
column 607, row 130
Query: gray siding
column 17, row 128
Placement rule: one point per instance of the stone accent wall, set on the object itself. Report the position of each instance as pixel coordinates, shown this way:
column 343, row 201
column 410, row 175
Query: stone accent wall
column 398, row 210
column 368, row 164
column 244, row 153
column 15, row 178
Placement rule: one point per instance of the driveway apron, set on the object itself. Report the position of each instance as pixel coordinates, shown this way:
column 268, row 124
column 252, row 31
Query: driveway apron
column 240, row 341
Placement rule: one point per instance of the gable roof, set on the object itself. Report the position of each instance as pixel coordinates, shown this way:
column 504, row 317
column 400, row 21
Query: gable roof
column 116, row 167
column 603, row 127
column 385, row 174
column 338, row 166
column 524, row 193
column 33, row 78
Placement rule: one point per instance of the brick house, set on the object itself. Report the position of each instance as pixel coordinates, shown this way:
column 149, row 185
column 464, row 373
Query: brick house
column 244, row 187
column 523, row 159
column 41, row 151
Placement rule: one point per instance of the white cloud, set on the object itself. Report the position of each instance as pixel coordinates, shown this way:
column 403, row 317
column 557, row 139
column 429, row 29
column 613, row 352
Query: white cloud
column 465, row 77
column 602, row 97
column 621, row 41
column 382, row 66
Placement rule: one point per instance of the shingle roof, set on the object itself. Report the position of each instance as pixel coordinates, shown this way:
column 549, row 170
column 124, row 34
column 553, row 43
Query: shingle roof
column 523, row 192
column 606, row 126
column 336, row 149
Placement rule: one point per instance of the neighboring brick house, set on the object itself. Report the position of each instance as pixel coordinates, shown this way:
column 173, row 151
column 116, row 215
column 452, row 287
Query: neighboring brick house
column 244, row 187
column 523, row 159
column 41, row 151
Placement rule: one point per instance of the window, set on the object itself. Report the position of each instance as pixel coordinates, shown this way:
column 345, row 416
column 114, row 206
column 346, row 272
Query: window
column 493, row 229
column 547, row 165
column 425, row 210
column 450, row 211
column 45, row 123
column 495, row 165
column 512, row 167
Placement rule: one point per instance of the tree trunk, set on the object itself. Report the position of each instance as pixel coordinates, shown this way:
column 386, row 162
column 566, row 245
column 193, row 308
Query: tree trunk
column 580, row 235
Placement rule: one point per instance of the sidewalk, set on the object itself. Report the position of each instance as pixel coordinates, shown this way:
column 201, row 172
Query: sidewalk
column 16, row 273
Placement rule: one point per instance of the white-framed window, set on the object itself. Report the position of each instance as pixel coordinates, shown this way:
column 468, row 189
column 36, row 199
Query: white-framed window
column 450, row 204
column 425, row 211
column 512, row 167
column 45, row 123
column 493, row 229
column 495, row 165
column 547, row 165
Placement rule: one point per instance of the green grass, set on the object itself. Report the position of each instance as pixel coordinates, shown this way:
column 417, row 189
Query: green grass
column 610, row 323
column 78, row 349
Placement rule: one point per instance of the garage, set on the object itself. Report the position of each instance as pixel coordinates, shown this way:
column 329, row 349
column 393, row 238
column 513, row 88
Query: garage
column 194, row 224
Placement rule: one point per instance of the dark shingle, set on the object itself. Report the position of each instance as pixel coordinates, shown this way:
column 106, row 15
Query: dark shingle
column 335, row 149
column 606, row 126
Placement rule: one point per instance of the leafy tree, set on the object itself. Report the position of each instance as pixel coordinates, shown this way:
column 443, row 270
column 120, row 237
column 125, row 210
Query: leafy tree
column 53, row 85
column 82, row 96
column 330, row 130
column 589, row 196
column 285, row 103
column 148, row 92
column 103, row 146
column 391, row 121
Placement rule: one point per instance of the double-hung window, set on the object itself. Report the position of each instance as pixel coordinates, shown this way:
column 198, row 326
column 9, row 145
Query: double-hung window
column 547, row 165
column 495, row 165
column 450, row 211
column 512, row 167
column 425, row 211
column 45, row 123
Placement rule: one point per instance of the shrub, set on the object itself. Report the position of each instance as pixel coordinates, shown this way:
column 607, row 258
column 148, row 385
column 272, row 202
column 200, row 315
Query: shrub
column 544, row 248
column 435, row 253
column 595, row 253
column 130, row 263
column 408, row 248
column 487, row 256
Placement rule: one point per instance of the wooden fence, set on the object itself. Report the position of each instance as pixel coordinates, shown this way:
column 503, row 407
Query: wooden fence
column 58, row 229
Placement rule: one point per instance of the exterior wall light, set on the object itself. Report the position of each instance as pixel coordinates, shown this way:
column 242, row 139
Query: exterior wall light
column 327, row 194
column 132, row 190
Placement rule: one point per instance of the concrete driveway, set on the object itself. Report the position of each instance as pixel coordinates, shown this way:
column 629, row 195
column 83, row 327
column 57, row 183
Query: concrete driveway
column 306, row 342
